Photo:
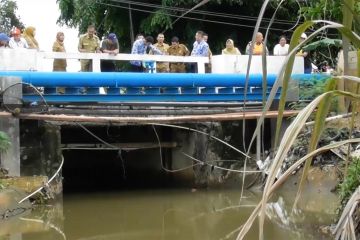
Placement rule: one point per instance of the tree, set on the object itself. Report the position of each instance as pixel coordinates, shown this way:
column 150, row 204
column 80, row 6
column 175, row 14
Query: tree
column 8, row 17
column 221, row 19
column 331, row 10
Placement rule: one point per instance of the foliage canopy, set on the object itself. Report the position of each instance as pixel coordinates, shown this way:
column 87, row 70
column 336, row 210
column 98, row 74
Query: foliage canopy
column 221, row 19
column 8, row 17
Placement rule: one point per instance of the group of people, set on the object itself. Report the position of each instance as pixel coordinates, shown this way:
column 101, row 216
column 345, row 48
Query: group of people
column 90, row 43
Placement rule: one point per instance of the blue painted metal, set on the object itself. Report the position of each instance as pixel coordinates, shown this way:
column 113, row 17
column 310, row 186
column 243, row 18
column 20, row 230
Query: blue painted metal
column 175, row 90
column 51, row 90
column 208, row 90
column 133, row 91
column 189, row 90
column 146, row 87
column 70, row 90
column 92, row 91
column 226, row 90
column 152, row 91
column 113, row 91
column 88, row 79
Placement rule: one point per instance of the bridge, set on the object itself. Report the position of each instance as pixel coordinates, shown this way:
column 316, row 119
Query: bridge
column 121, row 98
column 125, row 94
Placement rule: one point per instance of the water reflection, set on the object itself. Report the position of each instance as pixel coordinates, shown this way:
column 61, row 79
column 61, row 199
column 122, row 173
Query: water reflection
column 177, row 214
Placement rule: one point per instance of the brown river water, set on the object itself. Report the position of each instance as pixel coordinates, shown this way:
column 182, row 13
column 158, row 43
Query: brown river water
column 169, row 214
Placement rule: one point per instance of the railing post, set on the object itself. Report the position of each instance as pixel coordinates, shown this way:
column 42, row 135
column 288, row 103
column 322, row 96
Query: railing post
column 96, row 64
column 201, row 67
column 96, row 68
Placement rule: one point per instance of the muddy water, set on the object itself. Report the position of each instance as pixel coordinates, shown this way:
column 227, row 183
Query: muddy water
column 166, row 214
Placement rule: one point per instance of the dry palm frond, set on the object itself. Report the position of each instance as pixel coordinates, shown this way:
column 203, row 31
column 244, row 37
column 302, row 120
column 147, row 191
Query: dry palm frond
column 299, row 122
column 286, row 143
column 345, row 229
column 246, row 227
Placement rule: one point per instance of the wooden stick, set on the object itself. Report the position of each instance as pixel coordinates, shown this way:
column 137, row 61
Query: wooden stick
column 147, row 120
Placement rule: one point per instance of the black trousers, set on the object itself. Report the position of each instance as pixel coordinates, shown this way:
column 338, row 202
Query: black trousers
column 107, row 66
column 135, row 68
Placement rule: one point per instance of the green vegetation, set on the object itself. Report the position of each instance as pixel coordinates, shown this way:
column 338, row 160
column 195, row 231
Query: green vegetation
column 8, row 18
column 153, row 17
column 4, row 141
column 351, row 181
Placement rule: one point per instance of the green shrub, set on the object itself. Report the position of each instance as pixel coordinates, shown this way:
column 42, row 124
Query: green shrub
column 351, row 181
column 4, row 142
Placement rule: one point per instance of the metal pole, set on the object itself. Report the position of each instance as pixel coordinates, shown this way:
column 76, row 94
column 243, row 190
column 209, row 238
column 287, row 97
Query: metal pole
column 132, row 37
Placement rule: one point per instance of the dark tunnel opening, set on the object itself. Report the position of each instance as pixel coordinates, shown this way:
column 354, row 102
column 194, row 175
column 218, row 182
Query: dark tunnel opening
column 94, row 170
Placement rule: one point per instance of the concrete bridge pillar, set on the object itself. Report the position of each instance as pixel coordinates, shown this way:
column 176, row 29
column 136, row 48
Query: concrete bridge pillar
column 11, row 158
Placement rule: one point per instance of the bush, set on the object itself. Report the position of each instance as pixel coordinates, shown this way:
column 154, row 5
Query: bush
column 350, row 182
column 4, row 142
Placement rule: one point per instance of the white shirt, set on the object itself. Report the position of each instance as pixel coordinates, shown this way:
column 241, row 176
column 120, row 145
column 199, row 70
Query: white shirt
column 281, row 51
column 18, row 44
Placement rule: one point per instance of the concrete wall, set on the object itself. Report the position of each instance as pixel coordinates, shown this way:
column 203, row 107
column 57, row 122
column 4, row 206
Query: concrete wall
column 238, row 64
column 18, row 60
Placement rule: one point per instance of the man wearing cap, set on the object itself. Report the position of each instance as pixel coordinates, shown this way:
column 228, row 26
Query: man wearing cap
column 161, row 67
column 110, row 46
column 88, row 43
column 16, row 41
column 177, row 49
column 305, row 55
column 4, row 40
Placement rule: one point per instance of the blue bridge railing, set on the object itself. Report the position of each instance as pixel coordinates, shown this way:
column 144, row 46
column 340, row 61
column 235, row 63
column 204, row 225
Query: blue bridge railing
column 142, row 87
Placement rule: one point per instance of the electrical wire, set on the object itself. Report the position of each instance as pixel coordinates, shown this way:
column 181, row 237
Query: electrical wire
column 192, row 18
column 26, row 84
column 200, row 132
column 190, row 10
column 161, row 158
column 41, row 188
column 208, row 13
column 218, row 167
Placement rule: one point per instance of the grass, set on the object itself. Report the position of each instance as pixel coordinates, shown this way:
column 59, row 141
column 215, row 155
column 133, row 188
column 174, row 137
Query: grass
column 351, row 182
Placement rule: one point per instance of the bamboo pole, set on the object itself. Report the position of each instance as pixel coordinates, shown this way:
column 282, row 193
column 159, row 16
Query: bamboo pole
column 147, row 120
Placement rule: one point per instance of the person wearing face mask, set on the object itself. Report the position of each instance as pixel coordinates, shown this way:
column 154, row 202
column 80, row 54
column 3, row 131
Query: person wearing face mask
column 230, row 48
column 29, row 36
column 16, row 41
column 282, row 48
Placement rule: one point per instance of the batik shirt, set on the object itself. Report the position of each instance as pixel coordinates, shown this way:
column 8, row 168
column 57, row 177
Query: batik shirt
column 139, row 47
column 200, row 49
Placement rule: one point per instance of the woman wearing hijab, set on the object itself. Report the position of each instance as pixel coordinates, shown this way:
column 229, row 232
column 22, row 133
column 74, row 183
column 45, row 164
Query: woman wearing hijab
column 230, row 48
column 58, row 46
column 29, row 35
